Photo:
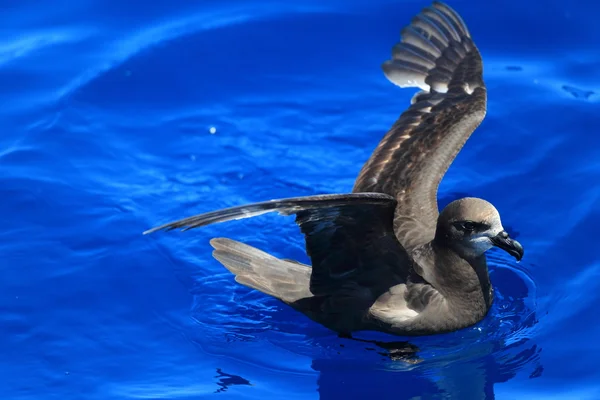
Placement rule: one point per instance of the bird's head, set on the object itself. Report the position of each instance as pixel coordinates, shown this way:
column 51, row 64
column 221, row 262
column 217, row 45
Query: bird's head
column 472, row 226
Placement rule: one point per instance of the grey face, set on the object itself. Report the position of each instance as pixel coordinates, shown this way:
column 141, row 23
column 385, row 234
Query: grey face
column 473, row 226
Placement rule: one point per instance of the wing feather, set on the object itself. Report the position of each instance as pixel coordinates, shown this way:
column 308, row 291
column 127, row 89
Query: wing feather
column 414, row 155
column 349, row 238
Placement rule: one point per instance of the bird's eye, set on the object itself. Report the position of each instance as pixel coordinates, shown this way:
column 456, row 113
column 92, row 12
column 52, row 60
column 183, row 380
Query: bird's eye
column 468, row 226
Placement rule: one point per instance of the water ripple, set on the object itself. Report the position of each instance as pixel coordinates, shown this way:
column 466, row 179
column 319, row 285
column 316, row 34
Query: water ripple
column 175, row 27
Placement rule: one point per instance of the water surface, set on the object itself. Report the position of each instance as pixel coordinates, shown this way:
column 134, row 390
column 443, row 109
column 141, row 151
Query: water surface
column 119, row 116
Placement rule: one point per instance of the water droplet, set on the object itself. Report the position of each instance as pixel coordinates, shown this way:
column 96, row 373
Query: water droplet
column 212, row 130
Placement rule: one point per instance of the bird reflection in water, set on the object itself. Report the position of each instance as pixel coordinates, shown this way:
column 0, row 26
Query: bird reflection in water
column 227, row 380
column 396, row 351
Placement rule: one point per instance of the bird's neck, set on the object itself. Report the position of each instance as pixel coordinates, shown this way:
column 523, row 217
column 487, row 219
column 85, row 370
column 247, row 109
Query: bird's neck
column 464, row 282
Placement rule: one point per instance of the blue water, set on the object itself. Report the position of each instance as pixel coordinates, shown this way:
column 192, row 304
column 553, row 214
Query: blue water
column 106, row 117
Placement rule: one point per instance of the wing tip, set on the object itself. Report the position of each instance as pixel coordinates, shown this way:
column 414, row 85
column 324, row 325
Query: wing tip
column 155, row 229
column 401, row 75
column 431, row 50
column 452, row 13
column 167, row 227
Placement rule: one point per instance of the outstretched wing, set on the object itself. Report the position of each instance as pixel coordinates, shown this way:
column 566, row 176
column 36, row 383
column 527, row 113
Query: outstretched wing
column 349, row 237
column 436, row 54
column 287, row 206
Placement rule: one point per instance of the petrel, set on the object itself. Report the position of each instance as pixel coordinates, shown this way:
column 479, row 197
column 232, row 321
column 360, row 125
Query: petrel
column 383, row 257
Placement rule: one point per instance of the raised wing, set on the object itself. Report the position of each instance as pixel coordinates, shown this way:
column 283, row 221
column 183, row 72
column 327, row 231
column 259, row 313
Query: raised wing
column 349, row 237
column 436, row 54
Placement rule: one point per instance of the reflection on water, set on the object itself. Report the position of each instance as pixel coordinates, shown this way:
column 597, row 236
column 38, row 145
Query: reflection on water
column 578, row 93
column 396, row 350
column 226, row 380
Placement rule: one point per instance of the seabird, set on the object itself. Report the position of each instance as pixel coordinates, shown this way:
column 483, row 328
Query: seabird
column 383, row 257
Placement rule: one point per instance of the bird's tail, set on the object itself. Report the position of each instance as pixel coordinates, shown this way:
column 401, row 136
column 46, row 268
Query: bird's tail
column 286, row 280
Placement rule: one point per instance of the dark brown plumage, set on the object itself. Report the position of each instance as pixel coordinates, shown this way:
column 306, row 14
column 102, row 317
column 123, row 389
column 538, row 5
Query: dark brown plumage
column 382, row 257
column 414, row 155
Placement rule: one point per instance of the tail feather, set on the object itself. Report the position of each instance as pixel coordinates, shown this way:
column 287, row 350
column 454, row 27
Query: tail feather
column 285, row 280
column 432, row 47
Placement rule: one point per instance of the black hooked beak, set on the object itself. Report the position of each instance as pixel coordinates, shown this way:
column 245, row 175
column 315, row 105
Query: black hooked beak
column 512, row 247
